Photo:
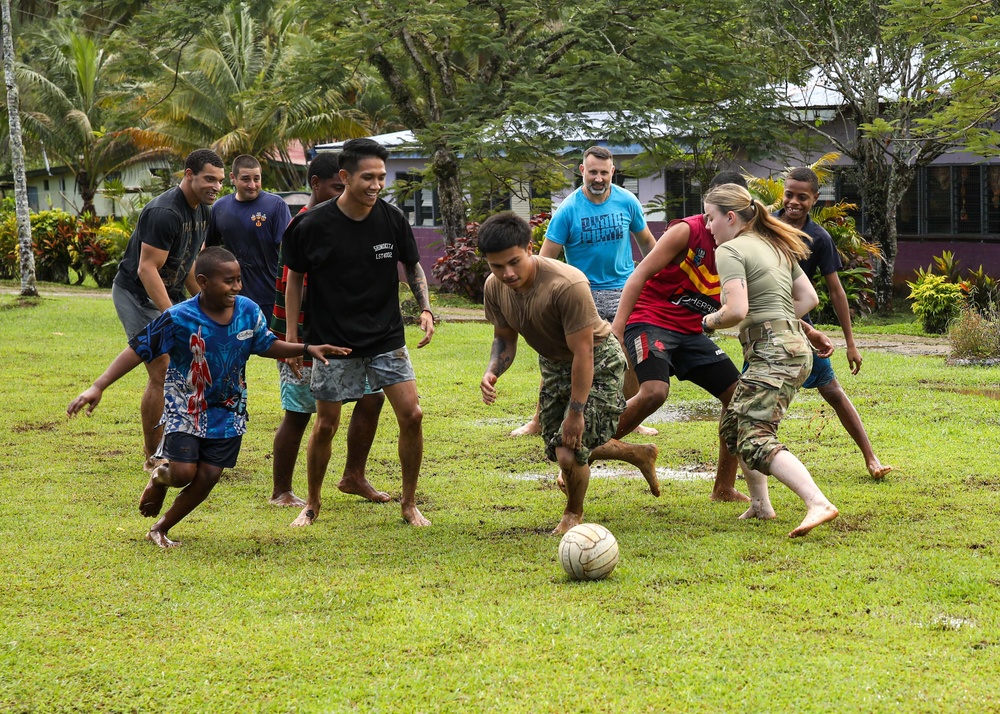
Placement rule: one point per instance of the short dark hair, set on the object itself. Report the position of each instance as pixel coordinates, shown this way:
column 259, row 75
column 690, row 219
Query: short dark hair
column 326, row 165
column 502, row 231
column 210, row 259
column 197, row 159
column 806, row 175
column 244, row 161
column 724, row 177
column 600, row 152
column 356, row 150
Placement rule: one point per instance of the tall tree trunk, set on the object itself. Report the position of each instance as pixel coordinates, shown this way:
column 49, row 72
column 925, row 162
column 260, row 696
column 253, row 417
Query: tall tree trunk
column 449, row 184
column 882, row 185
column 25, row 247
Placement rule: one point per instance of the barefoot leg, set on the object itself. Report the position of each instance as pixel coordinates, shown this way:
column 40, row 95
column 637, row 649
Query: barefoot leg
column 876, row 469
column 577, row 479
column 318, row 458
column 360, row 437
column 790, row 471
column 287, row 441
column 405, row 403
column 642, row 456
column 725, row 473
column 152, row 497
column 760, row 501
column 197, row 490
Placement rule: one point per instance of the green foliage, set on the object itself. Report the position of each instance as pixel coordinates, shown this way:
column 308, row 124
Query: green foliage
column 976, row 334
column 936, row 301
column 982, row 291
column 66, row 245
column 462, row 269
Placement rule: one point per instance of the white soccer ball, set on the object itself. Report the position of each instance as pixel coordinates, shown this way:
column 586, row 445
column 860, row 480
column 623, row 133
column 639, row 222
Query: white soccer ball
column 588, row 552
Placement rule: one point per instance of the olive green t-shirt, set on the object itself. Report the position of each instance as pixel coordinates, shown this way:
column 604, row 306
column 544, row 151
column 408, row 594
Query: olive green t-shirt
column 768, row 276
column 557, row 304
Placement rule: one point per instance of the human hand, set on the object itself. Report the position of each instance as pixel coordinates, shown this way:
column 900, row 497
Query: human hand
column 321, row 351
column 854, row 359
column 572, row 430
column 296, row 365
column 821, row 344
column 488, row 387
column 91, row 397
column 427, row 325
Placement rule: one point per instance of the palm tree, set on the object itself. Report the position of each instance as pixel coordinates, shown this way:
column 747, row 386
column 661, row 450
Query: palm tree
column 234, row 94
column 77, row 104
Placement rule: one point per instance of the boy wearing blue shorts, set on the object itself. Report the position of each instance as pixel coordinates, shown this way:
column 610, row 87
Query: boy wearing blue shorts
column 209, row 339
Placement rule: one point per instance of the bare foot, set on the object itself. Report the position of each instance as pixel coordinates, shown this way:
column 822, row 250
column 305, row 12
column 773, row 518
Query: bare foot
column 647, row 465
column 757, row 512
column 286, row 499
column 160, row 538
column 361, row 487
column 532, row 427
column 815, row 516
column 876, row 469
column 728, row 495
column 414, row 517
column 307, row 517
column 569, row 520
column 643, row 430
column 561, row 483
column 151, row 500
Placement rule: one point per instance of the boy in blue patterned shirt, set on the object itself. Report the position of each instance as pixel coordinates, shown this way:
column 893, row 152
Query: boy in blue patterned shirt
column 209, row 339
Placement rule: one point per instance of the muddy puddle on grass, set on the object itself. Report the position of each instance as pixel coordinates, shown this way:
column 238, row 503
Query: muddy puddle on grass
column 599, row 471
column 686, row 411
column 989, row 393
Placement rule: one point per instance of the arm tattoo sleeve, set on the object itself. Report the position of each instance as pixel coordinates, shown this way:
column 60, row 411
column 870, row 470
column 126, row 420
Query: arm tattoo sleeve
column 500, row 360
column 418, row 284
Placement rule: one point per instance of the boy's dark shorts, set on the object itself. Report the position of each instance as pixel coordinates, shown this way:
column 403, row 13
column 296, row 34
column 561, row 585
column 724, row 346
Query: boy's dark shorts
column 189, row 449
column 658, row 354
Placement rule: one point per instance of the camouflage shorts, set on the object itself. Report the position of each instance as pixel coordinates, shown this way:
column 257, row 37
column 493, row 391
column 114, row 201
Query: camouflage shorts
column 777, row 366
column 604, row 405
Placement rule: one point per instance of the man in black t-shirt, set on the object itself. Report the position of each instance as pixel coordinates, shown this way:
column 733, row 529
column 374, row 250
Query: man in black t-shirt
column 351, row 247
column 158, row 264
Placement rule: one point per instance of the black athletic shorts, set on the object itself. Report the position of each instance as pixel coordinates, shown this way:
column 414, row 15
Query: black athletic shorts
column 659, row 354
column 189, row 449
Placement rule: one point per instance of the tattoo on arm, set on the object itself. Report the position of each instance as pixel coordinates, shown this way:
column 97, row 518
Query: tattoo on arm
column 499, row 359
column 418, row 285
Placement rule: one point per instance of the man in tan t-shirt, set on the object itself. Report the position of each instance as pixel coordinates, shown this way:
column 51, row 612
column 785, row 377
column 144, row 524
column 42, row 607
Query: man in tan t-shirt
column 550, row 304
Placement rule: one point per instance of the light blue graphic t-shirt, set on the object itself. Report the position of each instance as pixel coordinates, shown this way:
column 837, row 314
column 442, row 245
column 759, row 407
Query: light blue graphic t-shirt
column 597, row 236
column 205, row 391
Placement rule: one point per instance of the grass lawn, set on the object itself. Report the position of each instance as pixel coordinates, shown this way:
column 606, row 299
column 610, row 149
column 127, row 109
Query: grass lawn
column 895, row 606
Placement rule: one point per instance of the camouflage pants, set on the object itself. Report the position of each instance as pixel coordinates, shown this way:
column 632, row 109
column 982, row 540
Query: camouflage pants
column 604, row 405
column 778, row 364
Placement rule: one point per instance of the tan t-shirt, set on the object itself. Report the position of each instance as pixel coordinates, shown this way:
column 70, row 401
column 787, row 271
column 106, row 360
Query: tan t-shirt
column 769, row 277
column 557, row 304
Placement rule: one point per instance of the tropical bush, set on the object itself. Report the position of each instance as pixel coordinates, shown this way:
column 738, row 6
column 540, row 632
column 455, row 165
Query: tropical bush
column 936, row 301
column 975, row 334
column 65, row 246
column 463, row 270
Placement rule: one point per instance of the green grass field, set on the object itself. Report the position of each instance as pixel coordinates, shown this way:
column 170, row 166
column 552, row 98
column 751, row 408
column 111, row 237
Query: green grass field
column 893, row 607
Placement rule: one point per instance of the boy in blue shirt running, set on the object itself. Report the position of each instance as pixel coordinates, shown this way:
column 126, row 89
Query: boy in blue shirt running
column 209, row 339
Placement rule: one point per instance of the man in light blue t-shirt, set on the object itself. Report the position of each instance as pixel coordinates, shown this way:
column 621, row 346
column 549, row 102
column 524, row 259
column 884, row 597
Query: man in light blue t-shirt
column 595, row 225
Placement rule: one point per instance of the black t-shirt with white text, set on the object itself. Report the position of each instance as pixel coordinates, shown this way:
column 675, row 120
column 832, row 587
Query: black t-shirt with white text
column 169, row 223
column 353, row 294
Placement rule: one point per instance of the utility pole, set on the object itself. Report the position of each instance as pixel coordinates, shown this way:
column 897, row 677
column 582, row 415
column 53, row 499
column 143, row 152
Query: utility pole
column 25, row 248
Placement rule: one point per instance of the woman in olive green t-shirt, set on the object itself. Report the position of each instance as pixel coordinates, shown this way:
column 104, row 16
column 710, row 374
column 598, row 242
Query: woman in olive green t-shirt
column 765, row 292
